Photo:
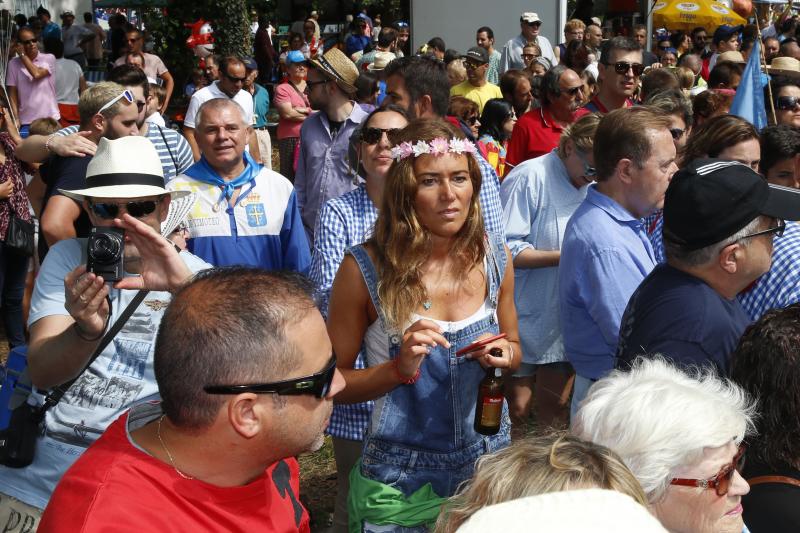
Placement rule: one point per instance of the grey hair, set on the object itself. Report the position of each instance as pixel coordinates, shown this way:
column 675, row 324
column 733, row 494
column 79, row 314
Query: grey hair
column 551, row 83
column 659, row 418
column 693, row 258
column 218, row 103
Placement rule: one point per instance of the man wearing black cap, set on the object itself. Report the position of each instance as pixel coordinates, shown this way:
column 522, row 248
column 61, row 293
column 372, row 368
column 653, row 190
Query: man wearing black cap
column 476, row 87
column 719, row 220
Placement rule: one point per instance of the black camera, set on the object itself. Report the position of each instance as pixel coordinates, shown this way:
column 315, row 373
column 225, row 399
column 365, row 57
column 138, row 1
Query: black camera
column 104, row 252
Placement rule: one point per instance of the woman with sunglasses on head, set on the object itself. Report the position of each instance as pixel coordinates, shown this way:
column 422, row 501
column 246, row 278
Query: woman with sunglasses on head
column 681, row 435
column 293, row 108
column 344, row 222
column 497, row 123
column 425, row 287
column 540, row 195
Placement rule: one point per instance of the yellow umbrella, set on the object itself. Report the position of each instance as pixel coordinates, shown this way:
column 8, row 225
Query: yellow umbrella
column 689, row 14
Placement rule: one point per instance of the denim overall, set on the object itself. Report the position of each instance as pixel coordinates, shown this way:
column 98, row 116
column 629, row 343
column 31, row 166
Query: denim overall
column 424, row 431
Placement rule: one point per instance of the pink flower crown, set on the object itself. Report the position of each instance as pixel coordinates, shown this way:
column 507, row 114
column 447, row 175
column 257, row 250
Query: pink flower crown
column 438, row 146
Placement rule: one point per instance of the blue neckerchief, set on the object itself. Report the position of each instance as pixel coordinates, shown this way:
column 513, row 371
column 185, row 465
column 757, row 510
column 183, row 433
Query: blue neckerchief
column 202, row 171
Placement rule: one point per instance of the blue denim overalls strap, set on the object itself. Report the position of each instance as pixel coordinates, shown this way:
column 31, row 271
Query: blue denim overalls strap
column 424, row 431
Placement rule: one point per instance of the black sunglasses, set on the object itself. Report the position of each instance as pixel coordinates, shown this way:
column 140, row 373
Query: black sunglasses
column 471, row 120
column 573, row 91
column 29, row 41
column 234, row 79
column 136, row 209
column 676, row 133
column 318, row 385
column 534, row 24
column 374, row 135
column 787, row 103
column 621, row 67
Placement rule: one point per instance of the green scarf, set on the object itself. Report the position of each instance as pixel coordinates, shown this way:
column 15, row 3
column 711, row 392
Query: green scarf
column 381, row 504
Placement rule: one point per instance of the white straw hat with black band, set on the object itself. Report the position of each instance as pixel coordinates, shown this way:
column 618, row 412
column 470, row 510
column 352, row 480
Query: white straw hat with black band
column 128, row 167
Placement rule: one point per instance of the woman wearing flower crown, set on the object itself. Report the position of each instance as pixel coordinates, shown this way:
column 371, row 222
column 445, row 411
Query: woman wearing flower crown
column 428, row 283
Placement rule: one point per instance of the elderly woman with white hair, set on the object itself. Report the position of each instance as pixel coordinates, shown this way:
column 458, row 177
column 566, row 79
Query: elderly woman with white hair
column 680, row 434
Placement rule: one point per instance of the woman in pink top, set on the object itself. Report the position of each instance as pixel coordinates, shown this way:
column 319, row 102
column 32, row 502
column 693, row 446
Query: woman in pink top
column 294, row 108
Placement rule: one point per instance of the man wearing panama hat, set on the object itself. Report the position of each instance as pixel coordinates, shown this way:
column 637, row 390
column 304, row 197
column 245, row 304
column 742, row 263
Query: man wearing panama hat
column 322, row 170
column 72, row 309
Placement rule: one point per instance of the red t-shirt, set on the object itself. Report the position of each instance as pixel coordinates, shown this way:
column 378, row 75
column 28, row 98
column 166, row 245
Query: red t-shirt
column 116, row 487
column 535, row 134
column 596, row 106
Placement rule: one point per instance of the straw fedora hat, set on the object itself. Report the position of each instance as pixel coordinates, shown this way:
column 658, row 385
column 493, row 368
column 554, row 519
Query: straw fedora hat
column 337, row 67
column 128, row 167
column 785, row 66
column 381, row 60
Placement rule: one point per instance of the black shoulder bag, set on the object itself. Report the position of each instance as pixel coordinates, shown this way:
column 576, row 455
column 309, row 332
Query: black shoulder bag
column 18, row 440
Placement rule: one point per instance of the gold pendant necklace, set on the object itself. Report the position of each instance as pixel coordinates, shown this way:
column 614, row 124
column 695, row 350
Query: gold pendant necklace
column 166, row 450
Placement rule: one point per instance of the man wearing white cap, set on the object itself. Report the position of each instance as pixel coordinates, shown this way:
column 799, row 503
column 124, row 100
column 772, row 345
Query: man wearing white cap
column 529, row 24
column 72, row 309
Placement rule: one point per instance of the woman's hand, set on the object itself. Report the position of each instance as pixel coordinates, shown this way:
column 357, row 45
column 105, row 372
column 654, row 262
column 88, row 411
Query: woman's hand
column 6, row 189
column 418, row 341
column 487, row 360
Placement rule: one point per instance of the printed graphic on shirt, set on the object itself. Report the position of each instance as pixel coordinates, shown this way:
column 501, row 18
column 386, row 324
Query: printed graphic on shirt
column 256, row 215
column 281, row 477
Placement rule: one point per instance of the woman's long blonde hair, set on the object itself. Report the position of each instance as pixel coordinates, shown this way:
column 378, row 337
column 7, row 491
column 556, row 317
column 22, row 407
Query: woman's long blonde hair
column 538, row 464
column 402, row 244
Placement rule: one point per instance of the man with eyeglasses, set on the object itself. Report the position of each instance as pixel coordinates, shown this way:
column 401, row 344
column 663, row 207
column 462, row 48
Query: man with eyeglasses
column 154, row 67
column 219, row 452
column 719, row 221
column 529, row 23
column 72, row 309
column 31, row 82
column 620, row 69
column 538, row 131
column 232, row 75
column 476, row 87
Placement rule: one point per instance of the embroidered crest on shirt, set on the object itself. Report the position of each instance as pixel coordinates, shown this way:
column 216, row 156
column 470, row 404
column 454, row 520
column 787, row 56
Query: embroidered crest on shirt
column 256, row 215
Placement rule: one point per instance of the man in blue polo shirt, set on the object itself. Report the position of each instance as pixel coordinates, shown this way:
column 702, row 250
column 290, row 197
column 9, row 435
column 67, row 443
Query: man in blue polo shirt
column 719, row 221
column 245, row 214
column 606, row 253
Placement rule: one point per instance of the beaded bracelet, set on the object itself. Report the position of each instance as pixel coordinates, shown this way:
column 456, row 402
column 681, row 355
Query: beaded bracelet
column 404, row 380
column 47, row 143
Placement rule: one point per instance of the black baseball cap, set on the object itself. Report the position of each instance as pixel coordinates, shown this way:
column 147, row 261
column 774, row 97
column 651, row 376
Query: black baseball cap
column 477, row 54
column 725, row 32
column 711, row 199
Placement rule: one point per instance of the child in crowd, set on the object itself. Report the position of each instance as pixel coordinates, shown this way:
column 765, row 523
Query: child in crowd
column 157, row 96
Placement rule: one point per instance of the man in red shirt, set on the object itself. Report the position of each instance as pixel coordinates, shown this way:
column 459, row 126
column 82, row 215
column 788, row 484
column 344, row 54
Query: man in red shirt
column 620, row 68
column 537, row 132
column 247, row 378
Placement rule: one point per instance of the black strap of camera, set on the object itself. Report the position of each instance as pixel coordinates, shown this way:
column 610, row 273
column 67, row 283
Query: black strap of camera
column 55, row 395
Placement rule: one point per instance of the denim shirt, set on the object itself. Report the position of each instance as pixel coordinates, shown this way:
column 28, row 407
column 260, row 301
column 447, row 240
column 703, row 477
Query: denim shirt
column 604, row 257
column 538, row 200
column 322, row 165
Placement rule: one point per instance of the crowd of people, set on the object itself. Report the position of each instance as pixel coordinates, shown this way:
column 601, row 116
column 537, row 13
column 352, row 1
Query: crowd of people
column 584, row 220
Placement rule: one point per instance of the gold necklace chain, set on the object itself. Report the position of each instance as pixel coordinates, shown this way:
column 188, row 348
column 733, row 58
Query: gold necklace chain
column 166, row 450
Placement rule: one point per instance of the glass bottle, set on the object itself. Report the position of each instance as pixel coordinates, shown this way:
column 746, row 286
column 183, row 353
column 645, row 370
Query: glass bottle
column 489, row 407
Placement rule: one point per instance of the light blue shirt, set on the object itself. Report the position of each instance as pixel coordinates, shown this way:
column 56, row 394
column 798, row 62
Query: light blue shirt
column 538, row 201
column 604, row 257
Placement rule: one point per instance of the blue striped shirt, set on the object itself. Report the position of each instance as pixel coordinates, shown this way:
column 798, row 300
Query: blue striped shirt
column 343, row 222
column 780, row 286
column 173, row 150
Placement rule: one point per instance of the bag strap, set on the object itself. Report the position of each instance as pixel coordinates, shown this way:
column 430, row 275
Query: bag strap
column 302, row 96
column 163, row 138
column 55, row 395
column 773, row 479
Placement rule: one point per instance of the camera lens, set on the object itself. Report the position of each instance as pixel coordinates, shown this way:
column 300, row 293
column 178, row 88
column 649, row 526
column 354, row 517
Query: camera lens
column 105, row 248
